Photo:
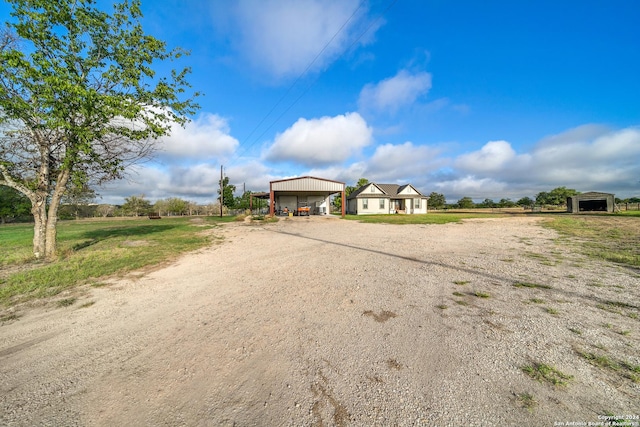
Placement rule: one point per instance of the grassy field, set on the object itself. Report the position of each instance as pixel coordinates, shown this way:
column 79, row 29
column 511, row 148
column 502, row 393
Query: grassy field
column 91, row 249
column 430, row 218
column 614, row 238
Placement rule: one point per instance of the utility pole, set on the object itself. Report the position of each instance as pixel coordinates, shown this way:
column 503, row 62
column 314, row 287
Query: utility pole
column 221, row 191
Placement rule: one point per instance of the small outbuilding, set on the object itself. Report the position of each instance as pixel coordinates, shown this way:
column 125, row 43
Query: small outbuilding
column 306, row 195
column 591, row 201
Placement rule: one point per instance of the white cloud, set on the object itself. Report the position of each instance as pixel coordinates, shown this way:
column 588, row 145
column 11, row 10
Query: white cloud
column 589, row 144
column 323, row 141
column 494, row 156
column 199, row 180
column 471, row 186
column 393, row 93
column 348, row 174
column 585, row 158
column 253, row 175
column 594, row 159
column 283, row 37
column 141, row 179
column 391, row 163
column 206, row 137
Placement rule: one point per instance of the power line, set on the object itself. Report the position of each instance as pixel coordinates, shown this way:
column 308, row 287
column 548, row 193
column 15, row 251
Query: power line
column 304, row 92
column 304, row 72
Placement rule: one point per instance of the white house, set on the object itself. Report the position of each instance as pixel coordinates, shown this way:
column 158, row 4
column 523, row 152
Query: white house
column 375, row 198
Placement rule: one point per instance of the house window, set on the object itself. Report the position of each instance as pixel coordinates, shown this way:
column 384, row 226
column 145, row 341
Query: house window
column 416, row 203
column 372, row 189
column 381, row 203
column 365, row 203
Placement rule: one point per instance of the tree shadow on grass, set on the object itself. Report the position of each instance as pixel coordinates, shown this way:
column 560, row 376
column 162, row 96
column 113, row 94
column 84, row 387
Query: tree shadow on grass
column 99, row 235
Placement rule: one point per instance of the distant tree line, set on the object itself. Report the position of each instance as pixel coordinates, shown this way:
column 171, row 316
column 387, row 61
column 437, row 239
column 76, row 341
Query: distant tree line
column 79, row 202
column 556, row 197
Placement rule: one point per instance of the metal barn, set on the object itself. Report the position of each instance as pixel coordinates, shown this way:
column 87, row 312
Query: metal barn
column 304, row 195
column 591, row 202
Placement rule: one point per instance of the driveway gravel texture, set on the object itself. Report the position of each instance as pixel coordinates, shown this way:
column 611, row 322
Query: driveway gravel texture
column 326, row 322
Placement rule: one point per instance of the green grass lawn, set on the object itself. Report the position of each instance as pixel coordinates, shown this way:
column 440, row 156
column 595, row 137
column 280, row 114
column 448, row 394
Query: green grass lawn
column 606, row 236
column 430, row 218
column 91, row 249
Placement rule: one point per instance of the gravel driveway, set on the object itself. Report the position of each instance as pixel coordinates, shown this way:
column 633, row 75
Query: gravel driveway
column 325, row 322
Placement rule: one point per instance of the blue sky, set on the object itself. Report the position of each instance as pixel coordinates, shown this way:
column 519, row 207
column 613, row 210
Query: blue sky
column 486, row 99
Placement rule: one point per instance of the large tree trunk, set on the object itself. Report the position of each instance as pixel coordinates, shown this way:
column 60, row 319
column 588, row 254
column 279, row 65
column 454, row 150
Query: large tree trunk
column 52, row 222
column 39, row 211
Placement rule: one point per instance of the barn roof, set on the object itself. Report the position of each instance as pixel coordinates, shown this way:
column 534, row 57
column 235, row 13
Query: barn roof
column 307, row 184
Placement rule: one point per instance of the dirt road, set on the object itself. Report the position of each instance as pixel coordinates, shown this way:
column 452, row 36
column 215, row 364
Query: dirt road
column 329, row 322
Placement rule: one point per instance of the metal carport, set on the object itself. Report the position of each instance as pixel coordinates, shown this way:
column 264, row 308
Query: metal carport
column 592, row 201
column 314, row 192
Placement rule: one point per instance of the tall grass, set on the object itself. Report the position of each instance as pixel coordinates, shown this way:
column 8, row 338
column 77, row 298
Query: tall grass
column 610, row 237
column 89, row 250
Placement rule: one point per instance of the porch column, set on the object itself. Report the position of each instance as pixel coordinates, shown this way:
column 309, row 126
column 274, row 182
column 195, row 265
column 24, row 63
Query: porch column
column 272, row 205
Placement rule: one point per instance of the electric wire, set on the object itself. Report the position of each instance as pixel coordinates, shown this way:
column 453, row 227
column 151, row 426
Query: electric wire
column 245, row 148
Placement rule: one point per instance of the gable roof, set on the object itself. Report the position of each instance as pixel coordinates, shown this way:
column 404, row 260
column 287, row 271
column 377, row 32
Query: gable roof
column 306, row 184
column 357, row 192
column 389, row 190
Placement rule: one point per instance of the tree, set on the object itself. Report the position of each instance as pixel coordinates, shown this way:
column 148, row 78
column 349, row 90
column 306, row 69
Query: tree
column 465, row 203
column 361, row 182
column 13, row 204
column 194, row 208
column 486, row 203
column 557, row 196
column 136, row 205
column 79, row 100
column 105, row 210
column 525, row 201
column 337, row 201
column 176, row 206
column 243, row 201
column 506, row 203
column 77, row 197
column 161, row 207
column 437, row 200
column 228, row 189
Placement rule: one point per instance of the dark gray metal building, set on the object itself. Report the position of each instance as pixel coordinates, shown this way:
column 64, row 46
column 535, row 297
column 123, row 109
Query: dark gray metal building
column 591, row 201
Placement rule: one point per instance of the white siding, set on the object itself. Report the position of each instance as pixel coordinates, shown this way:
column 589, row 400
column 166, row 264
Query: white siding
column 423, row 206
column 371, row 189
column 408, row 190
column 373, row 207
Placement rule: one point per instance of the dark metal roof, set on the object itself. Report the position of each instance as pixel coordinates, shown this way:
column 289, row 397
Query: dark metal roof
column 389, row 190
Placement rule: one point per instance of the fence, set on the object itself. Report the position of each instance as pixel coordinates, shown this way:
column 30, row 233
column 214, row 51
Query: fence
column 628, row 206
